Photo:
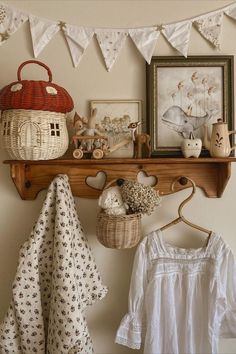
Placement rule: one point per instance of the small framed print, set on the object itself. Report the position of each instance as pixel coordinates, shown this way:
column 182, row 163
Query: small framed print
column 183, row 95
column 113, row 117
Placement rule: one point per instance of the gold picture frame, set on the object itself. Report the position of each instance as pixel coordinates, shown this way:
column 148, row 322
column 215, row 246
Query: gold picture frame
column 113, row 116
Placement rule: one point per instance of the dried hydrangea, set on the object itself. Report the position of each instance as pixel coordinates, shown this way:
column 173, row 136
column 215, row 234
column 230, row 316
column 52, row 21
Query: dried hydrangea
column 139, row 197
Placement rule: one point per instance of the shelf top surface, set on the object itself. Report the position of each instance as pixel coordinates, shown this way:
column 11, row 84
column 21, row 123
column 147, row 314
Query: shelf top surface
column 162, row 160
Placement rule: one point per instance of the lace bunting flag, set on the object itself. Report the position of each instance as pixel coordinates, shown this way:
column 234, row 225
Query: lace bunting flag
column 11, row 20
column 210, row 28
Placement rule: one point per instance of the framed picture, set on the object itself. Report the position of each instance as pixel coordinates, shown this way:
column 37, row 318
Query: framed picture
column 183, row 95
column 113, row 118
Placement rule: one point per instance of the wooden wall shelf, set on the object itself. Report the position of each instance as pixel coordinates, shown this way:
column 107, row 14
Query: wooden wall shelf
column 210, row 174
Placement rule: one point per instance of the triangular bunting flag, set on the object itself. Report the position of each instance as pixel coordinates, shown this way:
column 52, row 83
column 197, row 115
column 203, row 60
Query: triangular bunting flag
column 110, row 43
column 78, row 38
column 178, row 35
column 210, row 28
column 145, row 40
column 42, row 31
column 10, row 21
column 231, row 11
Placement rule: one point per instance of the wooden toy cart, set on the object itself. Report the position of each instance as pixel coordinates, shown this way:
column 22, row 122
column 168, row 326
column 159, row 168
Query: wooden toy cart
column 94, row 146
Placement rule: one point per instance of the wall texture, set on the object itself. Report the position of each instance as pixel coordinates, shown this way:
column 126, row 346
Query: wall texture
column 91, row 81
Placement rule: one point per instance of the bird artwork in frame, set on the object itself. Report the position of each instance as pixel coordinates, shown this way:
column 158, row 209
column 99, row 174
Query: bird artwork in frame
column 184, row 95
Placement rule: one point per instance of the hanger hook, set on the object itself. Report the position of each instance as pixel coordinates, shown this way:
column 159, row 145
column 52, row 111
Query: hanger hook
column 184, row 180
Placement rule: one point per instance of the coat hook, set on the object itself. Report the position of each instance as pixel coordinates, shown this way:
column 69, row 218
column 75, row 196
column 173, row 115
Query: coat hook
column 183, row 180
column 27, row 184
column 120, row 181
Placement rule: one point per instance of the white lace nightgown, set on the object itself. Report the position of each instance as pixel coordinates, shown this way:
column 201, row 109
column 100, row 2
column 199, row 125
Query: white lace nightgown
column 180, row 300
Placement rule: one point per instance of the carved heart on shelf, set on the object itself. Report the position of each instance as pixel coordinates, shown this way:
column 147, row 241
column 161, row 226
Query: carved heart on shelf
column 142, row 177
column 98, row 181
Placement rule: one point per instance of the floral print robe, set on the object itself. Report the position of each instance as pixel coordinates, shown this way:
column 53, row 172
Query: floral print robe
column 56, row 279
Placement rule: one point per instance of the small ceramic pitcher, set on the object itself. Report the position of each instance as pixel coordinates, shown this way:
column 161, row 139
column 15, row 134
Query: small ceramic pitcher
column 219, row 143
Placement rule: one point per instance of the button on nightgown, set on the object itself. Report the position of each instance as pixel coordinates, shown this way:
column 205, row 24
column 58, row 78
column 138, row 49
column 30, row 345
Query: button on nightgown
column 180, row 300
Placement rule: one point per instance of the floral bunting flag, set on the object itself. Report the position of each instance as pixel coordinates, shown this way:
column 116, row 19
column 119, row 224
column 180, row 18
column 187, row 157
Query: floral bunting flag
column 145, row 40
column 178, row 35
column 42, row 31
column 110, row 43
column 231, row 11
column 210, row 28
column 10, row 21
column 78, row 39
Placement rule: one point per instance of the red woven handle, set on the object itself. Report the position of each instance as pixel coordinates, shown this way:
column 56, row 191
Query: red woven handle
column 34, row 62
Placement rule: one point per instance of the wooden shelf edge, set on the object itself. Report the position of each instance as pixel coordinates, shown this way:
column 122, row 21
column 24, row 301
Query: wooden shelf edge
column 162, row 160
column 209, row 174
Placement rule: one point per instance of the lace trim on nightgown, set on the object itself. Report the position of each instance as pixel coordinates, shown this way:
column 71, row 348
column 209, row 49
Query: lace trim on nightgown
column 130, row 331
column 126, row 342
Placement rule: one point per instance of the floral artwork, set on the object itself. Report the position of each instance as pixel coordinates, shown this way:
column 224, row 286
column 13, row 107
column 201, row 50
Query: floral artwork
column 113, row 118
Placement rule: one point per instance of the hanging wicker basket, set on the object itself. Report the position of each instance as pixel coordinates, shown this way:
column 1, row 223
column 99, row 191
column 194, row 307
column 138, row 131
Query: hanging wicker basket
column 34, row 117
column 118, row 231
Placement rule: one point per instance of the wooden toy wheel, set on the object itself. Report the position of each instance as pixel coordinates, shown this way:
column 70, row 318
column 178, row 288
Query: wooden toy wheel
column 98, row 154
column 78, row 154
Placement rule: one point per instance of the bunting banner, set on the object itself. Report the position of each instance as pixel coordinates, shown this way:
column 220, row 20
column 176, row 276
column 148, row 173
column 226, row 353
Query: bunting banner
column 178, row 35
column 210, row 28
column 110, row 43
column 78, row 39
column 111, row 40
column 145, row 40
column 231, row 11
column 11, row 20
column 42, row 31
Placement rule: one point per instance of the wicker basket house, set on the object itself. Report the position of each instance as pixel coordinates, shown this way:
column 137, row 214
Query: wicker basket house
column 34, row 118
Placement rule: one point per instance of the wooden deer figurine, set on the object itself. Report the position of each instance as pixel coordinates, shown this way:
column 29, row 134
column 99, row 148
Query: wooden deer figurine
column 140, row 141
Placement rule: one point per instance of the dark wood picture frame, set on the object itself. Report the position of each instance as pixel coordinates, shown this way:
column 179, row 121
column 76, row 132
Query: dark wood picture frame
column 221, row 66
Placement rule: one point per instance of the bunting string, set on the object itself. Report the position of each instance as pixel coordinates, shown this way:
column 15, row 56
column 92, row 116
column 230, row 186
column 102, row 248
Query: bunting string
column 111, row 40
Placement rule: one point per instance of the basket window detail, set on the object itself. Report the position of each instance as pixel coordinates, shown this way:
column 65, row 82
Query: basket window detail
column 55, row 129
column 7, row 128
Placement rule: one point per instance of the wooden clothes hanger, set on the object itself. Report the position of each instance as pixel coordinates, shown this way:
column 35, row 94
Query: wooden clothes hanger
column 184, row 180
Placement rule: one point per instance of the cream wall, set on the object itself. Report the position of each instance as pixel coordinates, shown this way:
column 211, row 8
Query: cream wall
column 91, row 81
